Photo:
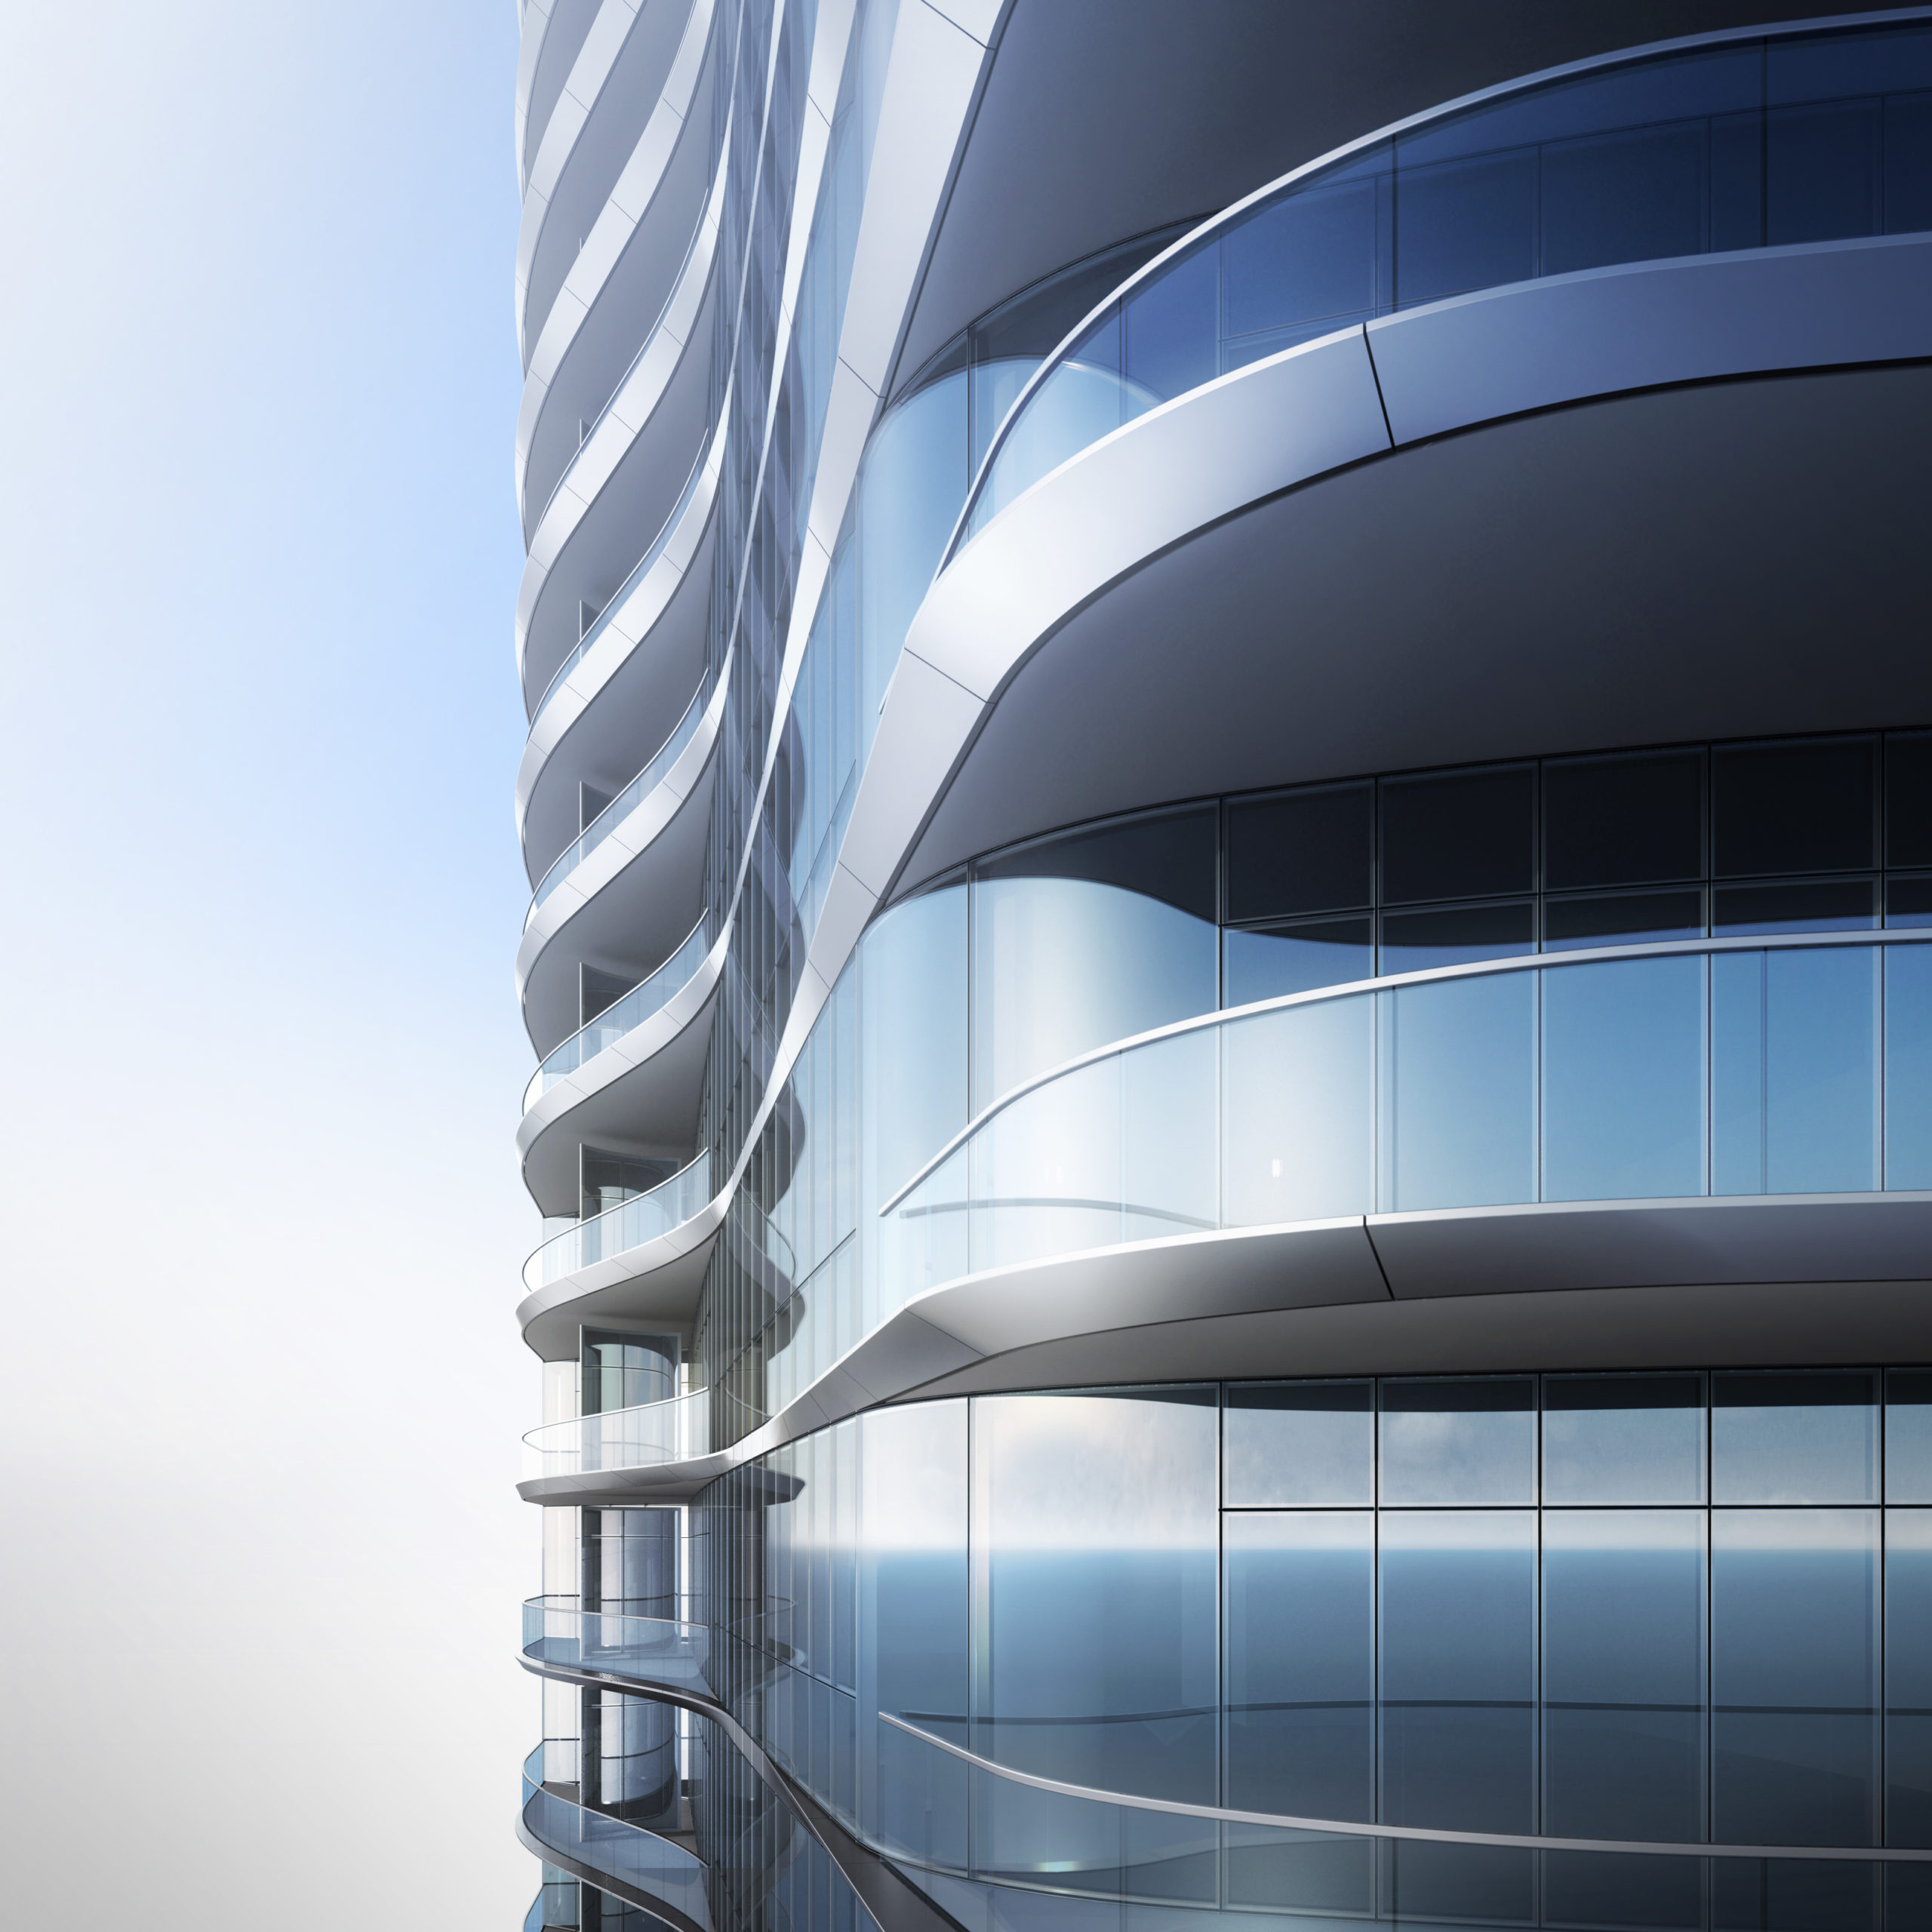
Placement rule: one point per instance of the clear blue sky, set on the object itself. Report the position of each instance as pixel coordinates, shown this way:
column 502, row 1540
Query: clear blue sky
column 260, row 1385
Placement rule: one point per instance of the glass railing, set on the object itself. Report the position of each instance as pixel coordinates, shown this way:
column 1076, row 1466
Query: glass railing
column 651, row 995
column 630, row 1224
column 641, row 570
column 948, row 1810
column 1709, row 1067
column 633, row 1438
column 620, row 808
column 652, row 1650
column 1709, row 149
column 606, row 1847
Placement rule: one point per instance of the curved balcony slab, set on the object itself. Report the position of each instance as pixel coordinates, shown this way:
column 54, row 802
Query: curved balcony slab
column 633, row 898
column 638, row 1094
column 1259, row 515
column 622, row 275
column 657, row 1874
column 618, row 482
column 553, row 34
column 602, row 104
column 656, row 1281
column 647, row 644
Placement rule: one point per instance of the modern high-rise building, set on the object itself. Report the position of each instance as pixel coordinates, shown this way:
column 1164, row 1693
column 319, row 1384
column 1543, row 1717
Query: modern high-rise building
column 1229, row 793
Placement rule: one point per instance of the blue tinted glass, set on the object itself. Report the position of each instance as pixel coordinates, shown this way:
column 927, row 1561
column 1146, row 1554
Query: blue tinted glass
column 1623, row 1438
column 1301, row 1662
column 1293, row 959
column 1623, row 1079
column 1908, row 1066
column 1101, row 1517
column 1781, row 1437
column 1464, row 224
column 1286, row 1444
column 1737, row 1073
column 1170, row 324
column 1908, row 900
column 1458, row 1109
column 1908, row 164
column 1908, row 1677
column 1821, row 906
column 1458, row 1592
column 1908, row 1435
column 1310, row 256
column 1822, row 172
column 1631, row 196
column 1627, row 919
column 1623, row 1673
column 1445, row 1442
column 1821, row 1125
column 1794, row 1676
column 1456, row 936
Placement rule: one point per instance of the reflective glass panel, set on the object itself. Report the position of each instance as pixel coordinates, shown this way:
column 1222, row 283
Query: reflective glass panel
column 1623, row 918
column 1266, row 962
column 1909, row 798
column 1794, row 1437
column 1463, row 1442
column 1908, row 1677
column 1908, row 1435
column 1623, row 1438
column 1818, row 906
column 1309, row 852
column 1289, row 1444
column 1795, row 1676
column 1807, row 806
column 1908, row 1066
column 1908, row 900
column 1099, row 1516
column 1456, row 936
column 1623, row 1079
column 1627, row 820
column 1458, row 835
column 1458, row 1120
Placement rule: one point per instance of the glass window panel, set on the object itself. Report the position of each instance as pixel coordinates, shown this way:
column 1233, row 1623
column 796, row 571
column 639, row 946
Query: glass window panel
column 1737, row 1073
column 1908, row 1677
column 1822, row 172
column 1908, row 1066
column 1737, row 181
column 1624, row 918
column 1802, row 807
column 1170, row 1165
column 1458, row 1593
column 1459, row 1103
column 1171, row 325
column 1908, row 900
column 1623, row 1438
column 1462, row 835
column 1308, row 256
column 1301, row 1662
column 1909, row 798
column 1266, row 962
column 1794, row 1438
column 1456, row 936
column 1631, row 196
column 1298, row 1133
column 1908, row 164
column 1795, row 1676
column 1101, row 1526
column 1298, row 1444
column 1820, row 905
column 1305, row 852
column 1081, row 940
column 1046, row 1171
column 1830, row 66
column 1627, row 820
column 1623, row 1079
column 1908, row 1435
column 1458, row 1442
column 1623, row 1673
column 1465, row 224
column 1821, row 1123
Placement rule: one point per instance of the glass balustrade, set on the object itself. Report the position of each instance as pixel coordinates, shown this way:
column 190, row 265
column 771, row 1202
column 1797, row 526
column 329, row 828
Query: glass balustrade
column 639, row 573
column 970, row 1825
column 651, row 1650
column 1670, row 1072
column 621, row 1438
column 1747, row 144
column 630, row 1224
column 620, row 808
column 623, row 1015
column 606, row 1847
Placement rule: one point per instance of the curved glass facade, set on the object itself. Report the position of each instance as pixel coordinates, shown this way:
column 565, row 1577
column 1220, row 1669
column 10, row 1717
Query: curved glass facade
column 1749, row 143
column 1628, row 1631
